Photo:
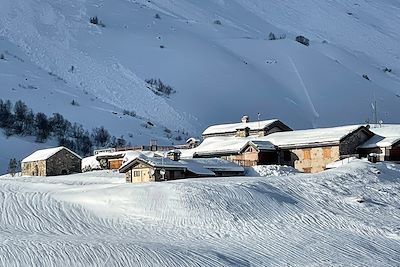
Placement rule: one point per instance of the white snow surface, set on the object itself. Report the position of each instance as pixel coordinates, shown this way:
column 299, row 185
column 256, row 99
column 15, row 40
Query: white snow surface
column 44, row 154
column 95, row 219
column 270, row 170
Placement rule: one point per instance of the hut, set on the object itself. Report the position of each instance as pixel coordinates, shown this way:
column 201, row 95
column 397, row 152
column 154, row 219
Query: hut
column 51, row 162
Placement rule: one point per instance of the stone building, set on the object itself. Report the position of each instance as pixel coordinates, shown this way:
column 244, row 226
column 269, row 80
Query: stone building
column 311, row 150
column 51, row 162
column 154, row 169
column 246, row 128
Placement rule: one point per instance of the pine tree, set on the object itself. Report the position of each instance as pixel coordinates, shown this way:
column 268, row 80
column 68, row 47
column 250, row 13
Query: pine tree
column 12, row 167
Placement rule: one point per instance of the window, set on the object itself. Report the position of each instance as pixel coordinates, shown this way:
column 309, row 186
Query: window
column 307, row 154
column 136, row 173
column 326, row 152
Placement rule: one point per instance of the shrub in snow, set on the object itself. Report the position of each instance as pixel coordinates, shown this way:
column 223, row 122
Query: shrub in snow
column 178, row 138
column 159, row 88
column 161, row 46
column 217, row 22
column 365, row 76
column 303, row 40
column 74, row 103
column 271, row 36
column 2, row 56
column 96, row 21
column 387, row 70
column 157, row 16
column 12, row 167
column 129, row 113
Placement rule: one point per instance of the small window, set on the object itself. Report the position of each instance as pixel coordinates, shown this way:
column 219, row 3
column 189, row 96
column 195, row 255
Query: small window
column 136, row 173
column 307, row 153
column 326, row 152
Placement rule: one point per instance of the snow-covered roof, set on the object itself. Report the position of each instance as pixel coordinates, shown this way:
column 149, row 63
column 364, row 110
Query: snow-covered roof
column 222, row 145
column 197, row 166
column 44, row 154
column 385, row 135
column 232, row 127
column 218, row 164
column 310, row 137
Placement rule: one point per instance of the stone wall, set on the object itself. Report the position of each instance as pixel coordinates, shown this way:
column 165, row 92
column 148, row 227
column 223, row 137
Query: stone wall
column 62, row 163
column 348, row 146
column 311, row 159
column 33, row 168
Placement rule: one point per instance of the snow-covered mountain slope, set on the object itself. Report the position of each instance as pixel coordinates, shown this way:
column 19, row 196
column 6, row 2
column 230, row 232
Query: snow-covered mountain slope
column 214, row 53
column 343, row 217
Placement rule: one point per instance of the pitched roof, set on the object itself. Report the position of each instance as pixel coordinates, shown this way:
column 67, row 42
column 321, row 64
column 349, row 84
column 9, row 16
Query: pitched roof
column 232, row 127
column 44, row 154
column 311, row 137
column 385, row 135
column 223, row 145
column 197, row 166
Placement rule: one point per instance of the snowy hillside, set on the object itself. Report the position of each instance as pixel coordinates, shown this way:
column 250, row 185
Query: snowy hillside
column 214, row 53
column 343, row 217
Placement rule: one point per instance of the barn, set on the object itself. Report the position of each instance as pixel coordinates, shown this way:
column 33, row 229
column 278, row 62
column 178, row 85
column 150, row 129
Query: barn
column 51, row 162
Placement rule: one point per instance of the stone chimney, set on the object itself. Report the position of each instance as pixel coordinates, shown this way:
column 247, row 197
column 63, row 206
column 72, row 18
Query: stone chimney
column 174, row 155
column 245, row 119
column 243, row 132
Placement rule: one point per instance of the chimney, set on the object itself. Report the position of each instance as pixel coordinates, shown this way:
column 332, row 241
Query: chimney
column 174, row 155
column 245, row 119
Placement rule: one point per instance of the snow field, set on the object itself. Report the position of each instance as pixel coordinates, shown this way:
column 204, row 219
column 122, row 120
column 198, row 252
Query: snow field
column 96, row 219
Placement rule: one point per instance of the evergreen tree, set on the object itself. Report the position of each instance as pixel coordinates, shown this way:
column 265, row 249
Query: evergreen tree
column 6, row 117
column 42, row 127
column 20, row 114
column 12, row 167
column 100, row 136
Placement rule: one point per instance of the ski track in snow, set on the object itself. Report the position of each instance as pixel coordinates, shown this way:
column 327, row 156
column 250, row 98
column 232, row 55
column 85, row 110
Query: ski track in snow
column 298, row 220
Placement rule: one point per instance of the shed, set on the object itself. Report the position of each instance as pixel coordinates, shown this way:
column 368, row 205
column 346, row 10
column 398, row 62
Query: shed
column 51, row 162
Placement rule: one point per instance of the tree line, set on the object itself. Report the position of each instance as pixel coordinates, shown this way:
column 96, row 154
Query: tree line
column 17, row 119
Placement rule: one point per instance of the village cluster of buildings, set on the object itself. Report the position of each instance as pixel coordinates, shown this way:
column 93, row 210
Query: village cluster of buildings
column 227, row 148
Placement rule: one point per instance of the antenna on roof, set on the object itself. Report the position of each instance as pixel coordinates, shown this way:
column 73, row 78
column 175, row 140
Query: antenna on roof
column 258, row 119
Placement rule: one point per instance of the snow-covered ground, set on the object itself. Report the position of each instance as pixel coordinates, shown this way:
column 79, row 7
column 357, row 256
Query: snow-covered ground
column 343, row 217
column 214, row 67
